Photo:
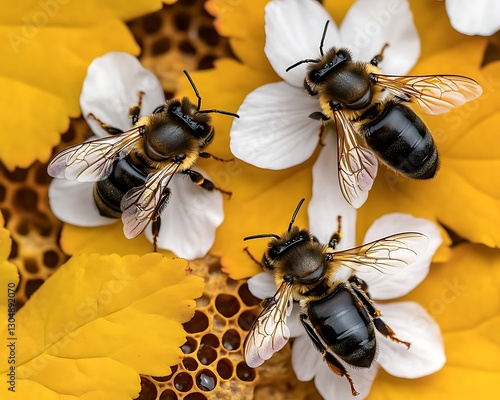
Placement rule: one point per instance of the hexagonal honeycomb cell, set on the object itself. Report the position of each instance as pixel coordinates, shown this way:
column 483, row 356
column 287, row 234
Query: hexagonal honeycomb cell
column 177, row 37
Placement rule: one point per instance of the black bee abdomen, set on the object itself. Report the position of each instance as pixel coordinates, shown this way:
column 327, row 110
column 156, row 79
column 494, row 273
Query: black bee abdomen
column 344, row 326
column 109, row 192
column 400, row 138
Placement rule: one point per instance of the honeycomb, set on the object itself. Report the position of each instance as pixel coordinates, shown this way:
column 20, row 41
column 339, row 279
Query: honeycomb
column 177, row 37
column 212, row 366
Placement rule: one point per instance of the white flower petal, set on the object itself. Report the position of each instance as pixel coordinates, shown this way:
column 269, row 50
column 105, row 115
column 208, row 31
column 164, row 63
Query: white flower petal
column 334, row 387
column 293, row 33
column 73, row 202
column 327, row 201
column 305, row 358
column 479, row 17
column 413, row 324
column 370, row 24
column 293, row 322
column 383, row 287
column 112, row 86
column 262, row 285
column 274, row 130
column 189, row 221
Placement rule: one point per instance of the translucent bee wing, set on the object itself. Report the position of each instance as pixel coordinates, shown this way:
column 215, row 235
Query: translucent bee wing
column 435, row 94
column 357, row 165
column 388, row 255
column 140, row 204
column 269, row 333
column 93, row 161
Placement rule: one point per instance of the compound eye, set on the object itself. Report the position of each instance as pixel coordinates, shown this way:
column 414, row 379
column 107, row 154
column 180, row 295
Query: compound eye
column 201, row 130
column 315, row 77
column 274, row 252
column 210, row 136
column 159, row 109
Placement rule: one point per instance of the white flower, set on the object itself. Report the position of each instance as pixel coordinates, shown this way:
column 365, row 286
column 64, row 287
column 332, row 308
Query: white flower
column 112, row 85
column 409, row 320
column 274, row 131
column 479, row 17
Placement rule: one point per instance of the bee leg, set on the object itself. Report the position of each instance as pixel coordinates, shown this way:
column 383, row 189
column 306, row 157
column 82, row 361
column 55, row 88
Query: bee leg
column 108, row 128
column 388, row 332
column 318, row 116
column 379, row 57
column 135, row 111
column 208, row 155
column 321, row 135
column 199, row 179
column 335, row 239
column 332, row 362
column 360, row 283
column 155, row 229
column 355, row 285
column 156, row 217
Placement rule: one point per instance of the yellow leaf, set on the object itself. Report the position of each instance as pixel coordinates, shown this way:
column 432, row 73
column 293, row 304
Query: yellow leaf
column 103, row 239
column 463, row 296
column 99, row 321
column 46, row 47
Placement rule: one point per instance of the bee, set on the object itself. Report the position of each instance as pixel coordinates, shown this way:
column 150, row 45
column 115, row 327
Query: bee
column 133, row 169
column 337, row 313
column 364, row 103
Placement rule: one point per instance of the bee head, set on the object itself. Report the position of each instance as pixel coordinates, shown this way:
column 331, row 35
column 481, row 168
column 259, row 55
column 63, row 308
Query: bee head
column 296, row 254
column 340, row 80
column 197, row 123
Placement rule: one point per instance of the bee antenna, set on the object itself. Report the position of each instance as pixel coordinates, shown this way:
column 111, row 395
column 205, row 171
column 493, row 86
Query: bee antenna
column 199, row 100
column 262, row 235
column 194, row 88
column 312, row 60
column 307, row 60
column 323, row 38
column 219, row 112
column 295, row 214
